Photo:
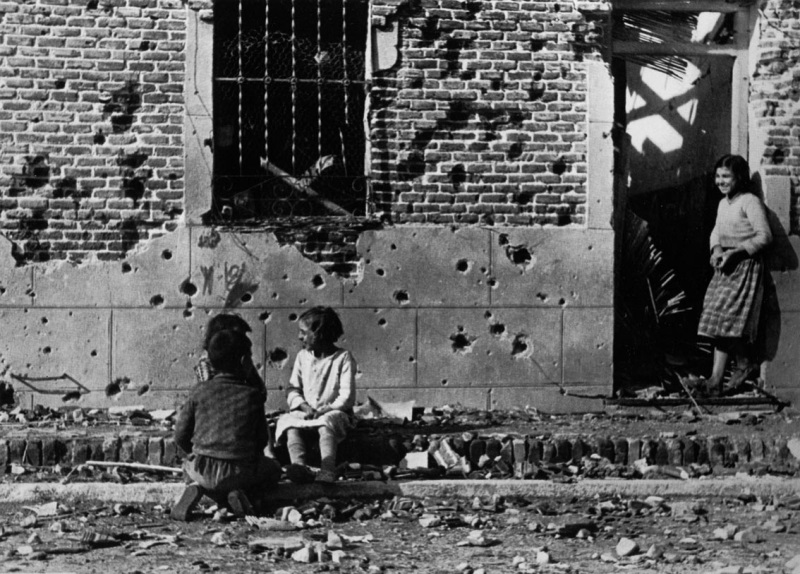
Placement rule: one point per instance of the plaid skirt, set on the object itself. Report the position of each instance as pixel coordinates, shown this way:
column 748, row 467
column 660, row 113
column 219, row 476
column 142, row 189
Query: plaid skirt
column 732, row 305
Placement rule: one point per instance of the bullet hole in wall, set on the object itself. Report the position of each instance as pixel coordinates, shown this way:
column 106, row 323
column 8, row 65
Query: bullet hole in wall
column 520, row 345
column 382, row 322
column 99, row 138
column 293, row 317
column 156, row 301
column 44, row 321
column 93, row 353
column 187, row 314
column 143, row 390
column 559, row 166
column 188, row 288
column 462, row 265
column 542, row 297
column 461, row 343
column 277, row 357
column 497, row 329
column 318, row 282
column 380, row 272
column 116, row 386
column 518, row 255
column 562, row 302
column 492, row 282
column 246, row 297
column 126, row 267
column 47, row 350
column 401, row 297
column 166, row 254
column 71, row 397
column 393, row 247
column 265, row 316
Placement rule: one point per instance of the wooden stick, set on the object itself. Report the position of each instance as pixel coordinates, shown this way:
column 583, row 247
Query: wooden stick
column 304, row 189
column 134, row 466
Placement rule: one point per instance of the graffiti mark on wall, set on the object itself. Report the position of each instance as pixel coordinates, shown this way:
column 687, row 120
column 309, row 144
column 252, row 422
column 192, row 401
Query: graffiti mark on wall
column 209, row 240
column 208, row 279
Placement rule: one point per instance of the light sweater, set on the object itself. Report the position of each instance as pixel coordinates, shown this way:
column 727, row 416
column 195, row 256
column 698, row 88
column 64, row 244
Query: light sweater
column 741, row 222
column 325, row 382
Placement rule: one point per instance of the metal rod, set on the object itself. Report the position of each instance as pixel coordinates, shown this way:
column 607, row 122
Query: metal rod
column 241, row 91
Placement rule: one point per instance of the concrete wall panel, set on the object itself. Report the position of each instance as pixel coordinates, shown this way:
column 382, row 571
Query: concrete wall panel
column 782, row 373
column 16, row 283
column 152, row 276
column 545, row 268
column 239, row 270
column 497, row 347
column 422, row 266
column 383, row 342
column 55, row 342
column 785, row 273
column 158, row 350
column 588, row 346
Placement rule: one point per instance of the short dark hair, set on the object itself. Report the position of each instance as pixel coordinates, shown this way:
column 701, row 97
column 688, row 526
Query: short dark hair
column 324, row 322
column 739, row 169
column 224, row 322
column 226, row 349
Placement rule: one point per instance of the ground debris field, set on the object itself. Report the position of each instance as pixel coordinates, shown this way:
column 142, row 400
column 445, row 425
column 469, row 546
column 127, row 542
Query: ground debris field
column 482, row 535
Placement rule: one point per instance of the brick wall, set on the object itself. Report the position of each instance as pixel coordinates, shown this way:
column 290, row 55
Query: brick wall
column 775, row 94
column 483, row 119
column 91, row 125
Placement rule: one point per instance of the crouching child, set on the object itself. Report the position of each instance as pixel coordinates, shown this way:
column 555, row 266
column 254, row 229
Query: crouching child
column 223, row 431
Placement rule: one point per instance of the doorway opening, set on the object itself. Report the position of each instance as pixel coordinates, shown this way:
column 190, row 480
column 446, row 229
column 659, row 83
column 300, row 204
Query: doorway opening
column 681, row 102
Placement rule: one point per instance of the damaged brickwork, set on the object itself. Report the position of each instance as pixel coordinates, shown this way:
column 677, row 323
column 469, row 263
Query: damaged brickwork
column 91, row 122
column 775, row 94
column 483, row 119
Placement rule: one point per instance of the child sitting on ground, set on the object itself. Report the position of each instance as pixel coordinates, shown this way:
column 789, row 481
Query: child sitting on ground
column 223, row 430
column 321, row 395
column 203, row 371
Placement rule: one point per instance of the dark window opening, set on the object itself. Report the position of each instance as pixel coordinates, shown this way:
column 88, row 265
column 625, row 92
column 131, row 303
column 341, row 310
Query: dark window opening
column 289, row 101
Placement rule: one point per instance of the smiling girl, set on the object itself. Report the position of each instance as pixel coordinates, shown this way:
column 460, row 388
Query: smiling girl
column 732, row 305
column 321, row 395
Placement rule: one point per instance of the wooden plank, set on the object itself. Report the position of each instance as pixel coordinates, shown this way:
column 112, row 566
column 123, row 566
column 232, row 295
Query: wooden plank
column 678, row 5
column 673, row 49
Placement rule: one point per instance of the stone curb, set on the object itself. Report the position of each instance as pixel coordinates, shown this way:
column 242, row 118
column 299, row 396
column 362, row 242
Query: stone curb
column 166, row 493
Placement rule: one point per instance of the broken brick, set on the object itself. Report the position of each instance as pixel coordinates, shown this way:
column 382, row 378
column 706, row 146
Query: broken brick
column 155, row 450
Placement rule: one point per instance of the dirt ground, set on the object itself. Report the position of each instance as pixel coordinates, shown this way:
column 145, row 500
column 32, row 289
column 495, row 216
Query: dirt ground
column 400, row 535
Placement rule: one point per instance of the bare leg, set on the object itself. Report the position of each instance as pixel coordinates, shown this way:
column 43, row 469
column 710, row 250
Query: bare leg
column 718, row 369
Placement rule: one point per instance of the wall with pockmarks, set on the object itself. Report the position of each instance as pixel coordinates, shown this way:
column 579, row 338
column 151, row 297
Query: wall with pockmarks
column 484, row 276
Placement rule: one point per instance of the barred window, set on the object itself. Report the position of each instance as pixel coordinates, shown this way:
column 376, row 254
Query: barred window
column 290, row 91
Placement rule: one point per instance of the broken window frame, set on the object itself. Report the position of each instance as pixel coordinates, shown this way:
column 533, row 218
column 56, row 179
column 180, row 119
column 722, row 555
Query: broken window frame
column 250, row 180
column 739, row 49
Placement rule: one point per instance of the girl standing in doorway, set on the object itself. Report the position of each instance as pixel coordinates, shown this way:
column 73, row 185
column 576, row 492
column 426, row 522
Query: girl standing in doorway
column 732, row 304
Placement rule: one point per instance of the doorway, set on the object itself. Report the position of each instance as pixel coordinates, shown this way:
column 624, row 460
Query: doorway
column 679, row 97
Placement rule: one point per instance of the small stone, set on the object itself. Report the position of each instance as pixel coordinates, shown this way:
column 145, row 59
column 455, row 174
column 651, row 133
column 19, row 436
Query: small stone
column 430, row 521
column 542, row 557
column 608, row 557
column 749, row 535
column 794, row 447
column 304, row 555
column 655, row 552
column 219, row 539
column 627, row 547
column 730, row 570
column 334, row 541
column 337, row 556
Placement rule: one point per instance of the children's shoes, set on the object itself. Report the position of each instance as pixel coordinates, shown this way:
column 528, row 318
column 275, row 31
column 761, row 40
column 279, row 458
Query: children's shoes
column 299, row 474
column 325, row 477
column 188, row 500
column 240, row 504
